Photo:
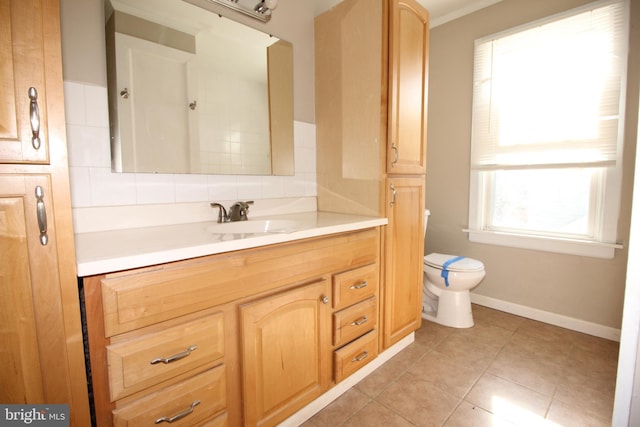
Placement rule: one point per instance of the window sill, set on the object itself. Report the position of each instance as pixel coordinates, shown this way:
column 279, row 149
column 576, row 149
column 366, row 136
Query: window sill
column 547, row 244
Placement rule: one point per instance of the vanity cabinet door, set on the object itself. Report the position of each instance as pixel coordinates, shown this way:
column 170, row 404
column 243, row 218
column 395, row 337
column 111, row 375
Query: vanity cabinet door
column 408, row 69
column 404, row 251
column 286, row 351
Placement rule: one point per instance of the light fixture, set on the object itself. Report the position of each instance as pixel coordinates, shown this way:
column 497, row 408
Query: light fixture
column 261, row 11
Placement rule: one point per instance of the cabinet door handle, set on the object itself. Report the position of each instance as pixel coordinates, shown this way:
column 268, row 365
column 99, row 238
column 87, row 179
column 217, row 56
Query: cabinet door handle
column 324, row 299
column 34, row 116
column 179, row 415
column 394, row 194
column 175, row 357
column 361, row 356
column 360, row 321
column 360, row 285
column 394, row 147
column 41, row 214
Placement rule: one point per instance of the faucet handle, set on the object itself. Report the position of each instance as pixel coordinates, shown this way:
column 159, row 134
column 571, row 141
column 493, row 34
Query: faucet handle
column 239, row 210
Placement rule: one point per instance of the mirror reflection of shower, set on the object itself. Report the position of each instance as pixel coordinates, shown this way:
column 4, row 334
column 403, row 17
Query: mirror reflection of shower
column 202, row 94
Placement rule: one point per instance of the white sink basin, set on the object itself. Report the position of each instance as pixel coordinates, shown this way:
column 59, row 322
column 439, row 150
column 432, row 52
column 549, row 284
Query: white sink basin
column 255, row 226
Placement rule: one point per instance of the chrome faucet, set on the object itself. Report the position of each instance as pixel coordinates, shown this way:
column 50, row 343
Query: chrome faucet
column 237, row 212
column 222, row 212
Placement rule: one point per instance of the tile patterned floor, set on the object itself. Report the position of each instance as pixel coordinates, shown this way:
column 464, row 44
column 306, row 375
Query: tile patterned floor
column 505, row 371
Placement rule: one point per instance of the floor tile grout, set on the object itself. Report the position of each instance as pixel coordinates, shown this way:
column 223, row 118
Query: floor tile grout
column 567, row 374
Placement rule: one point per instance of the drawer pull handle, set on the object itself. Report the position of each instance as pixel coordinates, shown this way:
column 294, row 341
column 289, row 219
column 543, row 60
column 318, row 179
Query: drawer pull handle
column 394, row 195
column 360, row 321
column 175, row 357
column 34, row 117
column 359, row 285
column 41, row 215
column 360, row 357
column 180, row 415
column 394, row 147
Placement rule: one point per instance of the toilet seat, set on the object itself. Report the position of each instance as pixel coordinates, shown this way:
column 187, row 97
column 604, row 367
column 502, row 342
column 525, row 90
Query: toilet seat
column 438, row 261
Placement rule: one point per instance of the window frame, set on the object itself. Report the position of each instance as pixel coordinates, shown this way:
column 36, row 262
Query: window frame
column 605, row 195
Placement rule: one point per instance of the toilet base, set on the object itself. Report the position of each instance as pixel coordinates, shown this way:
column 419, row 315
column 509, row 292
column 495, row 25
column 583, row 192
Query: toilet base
column 453, row 310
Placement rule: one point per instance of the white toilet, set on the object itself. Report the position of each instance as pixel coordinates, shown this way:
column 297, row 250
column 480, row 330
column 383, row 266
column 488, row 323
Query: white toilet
column 447, row 282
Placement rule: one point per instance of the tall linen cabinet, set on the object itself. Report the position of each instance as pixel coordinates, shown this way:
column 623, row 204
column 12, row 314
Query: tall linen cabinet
column 371, row 70
column 40, row 329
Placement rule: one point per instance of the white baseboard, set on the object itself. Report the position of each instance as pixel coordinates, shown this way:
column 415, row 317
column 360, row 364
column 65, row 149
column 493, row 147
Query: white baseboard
column 548, row 317
column 317, row 405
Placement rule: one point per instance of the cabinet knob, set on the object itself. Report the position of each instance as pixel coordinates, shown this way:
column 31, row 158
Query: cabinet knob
column 324, row 299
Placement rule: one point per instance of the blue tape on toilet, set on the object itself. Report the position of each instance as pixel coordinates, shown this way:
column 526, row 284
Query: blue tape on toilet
column 445, row 272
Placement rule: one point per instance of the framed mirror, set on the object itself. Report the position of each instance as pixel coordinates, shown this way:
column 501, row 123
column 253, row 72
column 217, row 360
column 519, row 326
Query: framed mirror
column 193, row 92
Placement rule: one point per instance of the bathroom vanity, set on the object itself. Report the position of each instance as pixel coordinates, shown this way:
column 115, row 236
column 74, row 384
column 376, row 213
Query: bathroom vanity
column 248, row 331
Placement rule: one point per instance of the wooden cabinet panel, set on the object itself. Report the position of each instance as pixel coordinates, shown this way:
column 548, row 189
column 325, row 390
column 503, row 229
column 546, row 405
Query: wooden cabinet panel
column 277, row 348
column 20, row 372
column 30, row 307
column 355, row 285
column 285, row 344
column 354, row 321
column 408, row 79
column 146, row 296
column 137, row 363
column 376, row 52
column 40, row 326
column 404, row 258
column 354, row 356
column 23, row 40
column 189, row 402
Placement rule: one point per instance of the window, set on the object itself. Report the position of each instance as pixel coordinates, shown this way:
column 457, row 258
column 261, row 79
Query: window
column 546, row 136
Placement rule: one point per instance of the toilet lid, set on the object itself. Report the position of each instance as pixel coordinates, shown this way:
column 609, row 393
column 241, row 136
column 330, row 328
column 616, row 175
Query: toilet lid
column 436, row 260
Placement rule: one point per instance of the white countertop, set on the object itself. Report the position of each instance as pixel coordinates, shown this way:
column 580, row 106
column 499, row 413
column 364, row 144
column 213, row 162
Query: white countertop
column 102, row 252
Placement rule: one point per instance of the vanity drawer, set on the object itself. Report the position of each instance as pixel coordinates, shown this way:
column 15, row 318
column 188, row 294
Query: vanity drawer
column 354, row 285
column 148, row 359
column 350, row 323
column 354, row 356
column 137, row 298
column 199, row 398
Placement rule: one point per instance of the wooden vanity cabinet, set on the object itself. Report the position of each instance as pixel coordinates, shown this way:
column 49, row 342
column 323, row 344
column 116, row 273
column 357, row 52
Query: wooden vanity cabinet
column 249, row 335
column 371, row 71
column 41, row 338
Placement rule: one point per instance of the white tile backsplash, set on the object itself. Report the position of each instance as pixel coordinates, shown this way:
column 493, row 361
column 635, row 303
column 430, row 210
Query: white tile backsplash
column 94, row 185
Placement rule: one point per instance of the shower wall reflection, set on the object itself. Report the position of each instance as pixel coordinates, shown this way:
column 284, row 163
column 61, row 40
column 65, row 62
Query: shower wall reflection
column 212, row 97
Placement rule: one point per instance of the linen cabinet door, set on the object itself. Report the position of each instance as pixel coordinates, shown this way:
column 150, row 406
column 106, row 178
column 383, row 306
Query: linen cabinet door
column 23, row 104
column 404, row 251
column 29, row 291
column 286, row 351
column 408, row 79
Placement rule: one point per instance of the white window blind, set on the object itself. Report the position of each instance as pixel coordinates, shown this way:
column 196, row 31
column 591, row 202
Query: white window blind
column 550, row 94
